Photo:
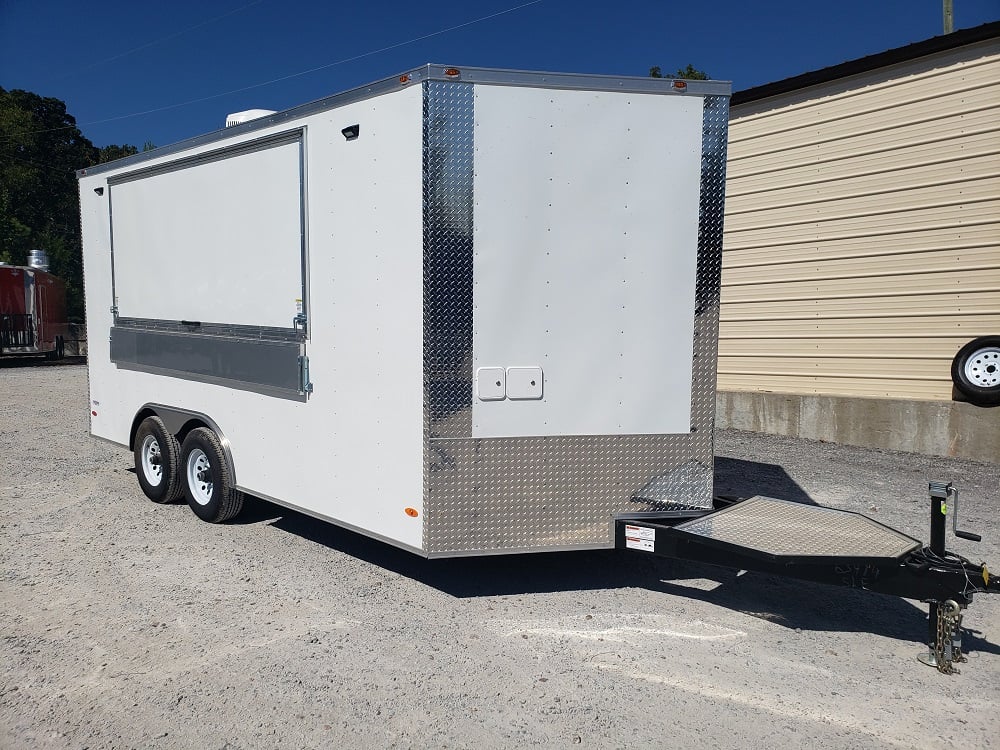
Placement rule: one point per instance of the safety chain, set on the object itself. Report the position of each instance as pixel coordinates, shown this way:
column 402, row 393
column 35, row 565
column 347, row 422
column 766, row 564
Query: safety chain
column 948, row 648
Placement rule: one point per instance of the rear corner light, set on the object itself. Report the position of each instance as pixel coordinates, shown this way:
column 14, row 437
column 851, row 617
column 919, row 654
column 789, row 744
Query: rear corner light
column 452, row 72
column 680, row 85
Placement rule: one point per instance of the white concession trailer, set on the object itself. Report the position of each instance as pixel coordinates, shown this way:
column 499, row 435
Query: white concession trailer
column 464, row 311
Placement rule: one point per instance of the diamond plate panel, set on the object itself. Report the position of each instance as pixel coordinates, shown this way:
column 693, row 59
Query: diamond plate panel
column 448, row 165
column 715, row 124
column 780, row 527
column 539, row 493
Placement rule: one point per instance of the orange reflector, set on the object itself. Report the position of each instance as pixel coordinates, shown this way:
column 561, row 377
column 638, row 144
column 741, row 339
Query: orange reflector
column 404, row 79
column 412, row 512
column 680, row 85
column 452, row 72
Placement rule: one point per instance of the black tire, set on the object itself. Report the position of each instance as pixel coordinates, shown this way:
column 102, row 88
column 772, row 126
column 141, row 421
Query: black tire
column 975, row 371
column 60, row 347
column 157, row 457
column 207, row 478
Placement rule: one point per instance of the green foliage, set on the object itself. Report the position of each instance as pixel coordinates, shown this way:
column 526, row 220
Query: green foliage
column 40, row 150
column 691, row 73
column 112, row 152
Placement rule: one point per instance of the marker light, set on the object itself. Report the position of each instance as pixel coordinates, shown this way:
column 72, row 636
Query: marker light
column 452, row 72
column 412, row 512
column 680, row 85
column 405, row 78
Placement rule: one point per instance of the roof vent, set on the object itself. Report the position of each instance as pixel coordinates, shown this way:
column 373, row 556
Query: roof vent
column 238, row 118
column 38, row 259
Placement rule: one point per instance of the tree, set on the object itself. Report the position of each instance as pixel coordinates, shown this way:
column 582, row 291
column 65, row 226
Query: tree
column 113, row 151
column 40, row 150
column 690, row 72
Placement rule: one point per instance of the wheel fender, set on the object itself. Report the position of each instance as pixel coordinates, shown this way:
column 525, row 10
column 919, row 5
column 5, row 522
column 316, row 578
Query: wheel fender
column 181, row 421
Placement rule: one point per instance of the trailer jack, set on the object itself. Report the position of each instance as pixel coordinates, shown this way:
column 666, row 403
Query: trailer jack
column 825, row 545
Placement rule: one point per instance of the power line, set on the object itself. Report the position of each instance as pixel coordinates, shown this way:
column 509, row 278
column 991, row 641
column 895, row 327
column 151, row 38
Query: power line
column 153, row 43
column 313, row 70
column 294, row 75
column 61, row 170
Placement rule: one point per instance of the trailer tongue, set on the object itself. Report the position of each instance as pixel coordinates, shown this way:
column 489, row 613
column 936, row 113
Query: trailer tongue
column 826, row 545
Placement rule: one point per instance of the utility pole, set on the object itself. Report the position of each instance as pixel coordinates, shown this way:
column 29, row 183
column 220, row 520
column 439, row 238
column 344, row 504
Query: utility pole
column 949, row 17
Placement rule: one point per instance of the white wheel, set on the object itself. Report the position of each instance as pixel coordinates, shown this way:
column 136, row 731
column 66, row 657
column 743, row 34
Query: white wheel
column 151, row 460
column 982, row 368
column 199, row 476
column 975, row 371
column 157, row 461
column 208, row 479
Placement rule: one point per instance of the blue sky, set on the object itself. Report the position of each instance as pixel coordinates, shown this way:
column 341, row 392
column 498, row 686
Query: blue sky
column 113, row 59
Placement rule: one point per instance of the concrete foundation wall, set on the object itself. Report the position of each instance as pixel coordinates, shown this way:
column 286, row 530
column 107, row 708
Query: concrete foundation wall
column 937, row 428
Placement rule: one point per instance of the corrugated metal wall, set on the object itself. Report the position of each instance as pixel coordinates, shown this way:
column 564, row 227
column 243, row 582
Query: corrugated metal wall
column 862, row 244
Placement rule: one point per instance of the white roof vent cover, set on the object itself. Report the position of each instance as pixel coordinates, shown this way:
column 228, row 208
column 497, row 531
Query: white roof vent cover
column 238, row 118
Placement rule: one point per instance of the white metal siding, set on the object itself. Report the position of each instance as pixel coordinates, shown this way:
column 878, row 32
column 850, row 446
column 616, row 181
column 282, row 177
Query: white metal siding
column 578, row 298
column 862, row 244
column 354, row 452
column 185, row 239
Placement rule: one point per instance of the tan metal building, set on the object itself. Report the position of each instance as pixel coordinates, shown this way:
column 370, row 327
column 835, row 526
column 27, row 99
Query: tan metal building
column 862, row 243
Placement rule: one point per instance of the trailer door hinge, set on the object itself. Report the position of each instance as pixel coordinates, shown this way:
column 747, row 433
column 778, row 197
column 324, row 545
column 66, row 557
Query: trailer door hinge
column 305, row 386
column 299, row 322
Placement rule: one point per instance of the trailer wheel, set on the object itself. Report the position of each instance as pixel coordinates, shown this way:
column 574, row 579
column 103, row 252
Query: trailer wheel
column 208, row 484
column 976, row 370
column 157, row 461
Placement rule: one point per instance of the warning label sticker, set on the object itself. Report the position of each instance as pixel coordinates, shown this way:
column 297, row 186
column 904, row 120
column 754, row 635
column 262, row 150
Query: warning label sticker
column 639, row 537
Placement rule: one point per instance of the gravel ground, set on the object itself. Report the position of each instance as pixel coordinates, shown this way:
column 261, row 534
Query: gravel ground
column 127, row 624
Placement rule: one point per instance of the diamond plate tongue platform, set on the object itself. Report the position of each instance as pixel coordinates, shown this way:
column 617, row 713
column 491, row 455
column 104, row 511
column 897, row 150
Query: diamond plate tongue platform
column 782, row 529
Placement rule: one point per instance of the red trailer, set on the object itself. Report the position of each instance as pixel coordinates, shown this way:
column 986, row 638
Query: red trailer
column 32, row 312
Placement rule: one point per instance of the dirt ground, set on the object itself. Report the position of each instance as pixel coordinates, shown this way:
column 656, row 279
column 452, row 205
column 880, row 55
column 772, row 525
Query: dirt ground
column 127, row 624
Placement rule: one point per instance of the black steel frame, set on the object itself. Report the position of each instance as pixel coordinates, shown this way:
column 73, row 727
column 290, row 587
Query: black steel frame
column 925, row 573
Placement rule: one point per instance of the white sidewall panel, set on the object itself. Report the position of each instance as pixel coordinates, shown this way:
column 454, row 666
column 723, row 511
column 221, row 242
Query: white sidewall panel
column 352, row 453
column 586, row 238
column 188, row 243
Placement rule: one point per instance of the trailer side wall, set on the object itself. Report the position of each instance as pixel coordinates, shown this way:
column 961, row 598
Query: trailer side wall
column 352, row 452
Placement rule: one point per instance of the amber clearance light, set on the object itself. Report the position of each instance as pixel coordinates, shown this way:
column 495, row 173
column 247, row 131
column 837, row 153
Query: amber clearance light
column 412, row 512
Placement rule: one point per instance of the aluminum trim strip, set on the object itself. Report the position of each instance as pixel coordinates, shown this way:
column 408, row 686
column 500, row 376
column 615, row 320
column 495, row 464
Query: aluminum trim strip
column 416, row 75
column 589, row 82
column 228, row 152
column 352, row 96
column 516, row 551
column 335, row 522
